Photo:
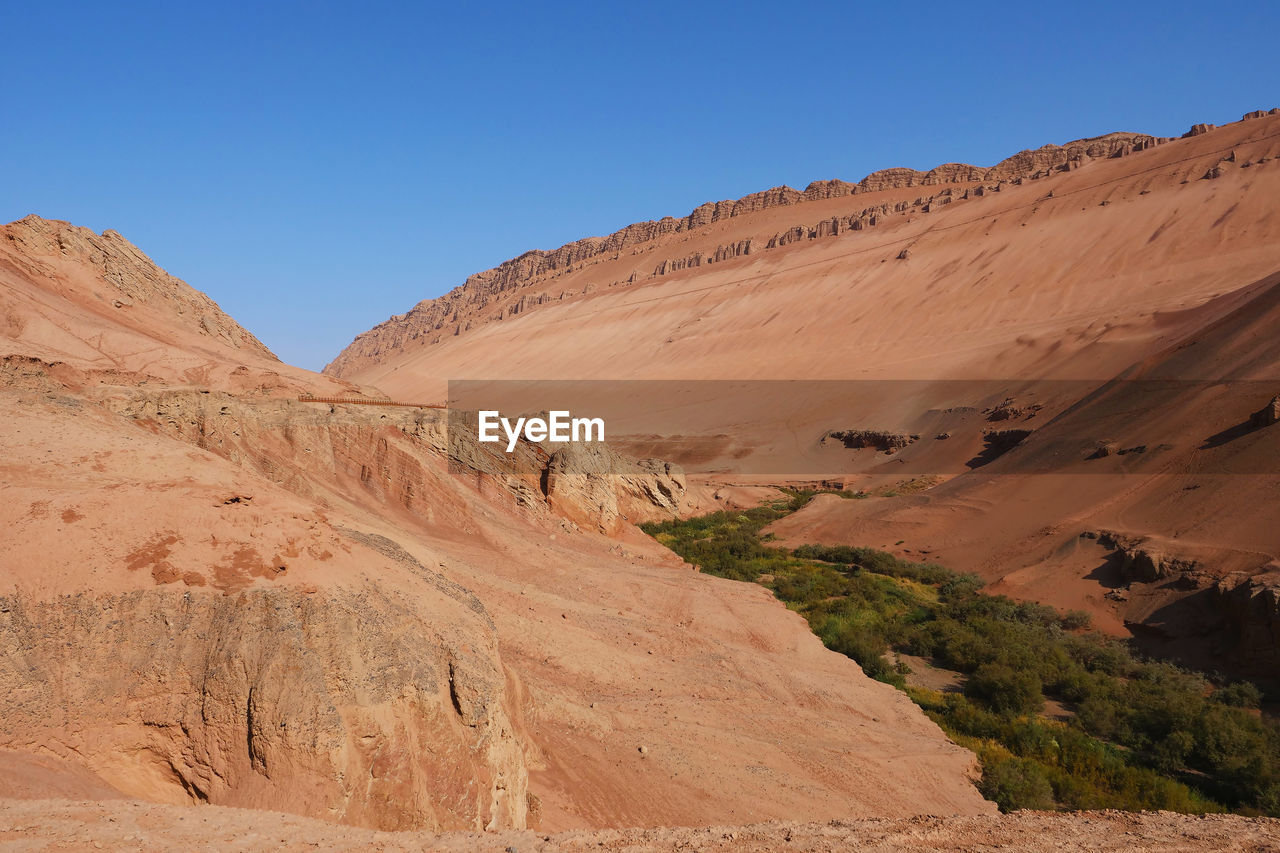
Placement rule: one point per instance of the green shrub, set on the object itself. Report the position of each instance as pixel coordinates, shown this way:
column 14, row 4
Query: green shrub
column 1005, row 690
column 859, row 642
column 1014, row 783
column 1241, row 694
column 1075, row 620
column 959, row 587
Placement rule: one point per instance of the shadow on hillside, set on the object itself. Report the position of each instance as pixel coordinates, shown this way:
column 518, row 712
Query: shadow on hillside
column 1110, row 574
column 1227, row 435
column 997, row 444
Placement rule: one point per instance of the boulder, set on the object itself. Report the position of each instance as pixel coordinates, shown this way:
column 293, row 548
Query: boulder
column 883, row 440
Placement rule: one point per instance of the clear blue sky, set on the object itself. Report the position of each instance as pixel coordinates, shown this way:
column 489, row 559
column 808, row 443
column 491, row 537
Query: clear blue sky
column 316, row 167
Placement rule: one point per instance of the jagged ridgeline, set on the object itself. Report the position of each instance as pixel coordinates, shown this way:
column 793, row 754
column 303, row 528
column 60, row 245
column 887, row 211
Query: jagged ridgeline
column 496, row 293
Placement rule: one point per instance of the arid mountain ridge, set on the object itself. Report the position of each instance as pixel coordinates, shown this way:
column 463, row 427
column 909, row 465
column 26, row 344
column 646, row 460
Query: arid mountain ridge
column 500, row 292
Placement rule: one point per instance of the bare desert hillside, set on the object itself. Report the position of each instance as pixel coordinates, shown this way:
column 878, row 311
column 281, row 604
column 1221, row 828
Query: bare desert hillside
column 213, row 593
column 1058, row 263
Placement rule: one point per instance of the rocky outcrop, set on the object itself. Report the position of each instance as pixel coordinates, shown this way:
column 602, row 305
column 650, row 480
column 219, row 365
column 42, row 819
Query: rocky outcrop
column 1251, row 620
column 600, row 489
column 1002, row 440
column 677, row 264
column 882, row 440
column 1217, row 170
column 1104, row 449
column 1267, row 415
column 791, row 235
column 728, row 251
column 1010, row 409
column 319, row 703
column 589, row 484
column 1142, row 559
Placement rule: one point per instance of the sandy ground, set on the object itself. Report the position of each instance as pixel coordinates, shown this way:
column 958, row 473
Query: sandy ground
column 58, row 825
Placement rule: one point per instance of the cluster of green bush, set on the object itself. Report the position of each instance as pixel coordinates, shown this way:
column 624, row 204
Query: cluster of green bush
column 1142, row 734
column 728, row 543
